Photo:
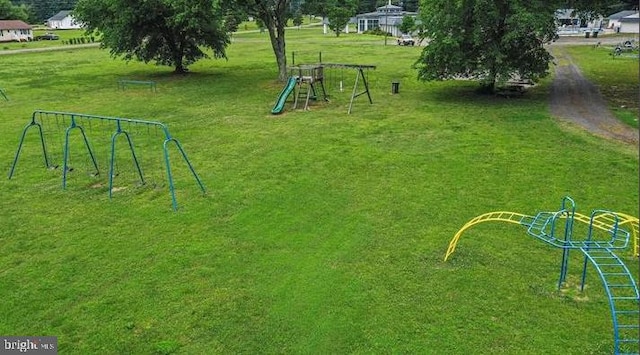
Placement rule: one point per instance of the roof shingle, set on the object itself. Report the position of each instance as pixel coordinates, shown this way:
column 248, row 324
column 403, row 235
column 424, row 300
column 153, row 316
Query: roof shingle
column 14, row 25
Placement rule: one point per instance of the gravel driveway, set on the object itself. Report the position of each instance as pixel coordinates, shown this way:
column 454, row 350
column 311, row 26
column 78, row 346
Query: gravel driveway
column 575, row 99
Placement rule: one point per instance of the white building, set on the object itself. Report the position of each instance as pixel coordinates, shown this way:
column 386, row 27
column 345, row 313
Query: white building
column 569, row 22
column 63, row 20
column 630, row 24
column 388, row 18
column 15, row 31
column 614, row 20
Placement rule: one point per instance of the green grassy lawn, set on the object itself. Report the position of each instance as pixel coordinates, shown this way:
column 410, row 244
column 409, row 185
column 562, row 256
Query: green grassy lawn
column 617, row 78
column 320, row 232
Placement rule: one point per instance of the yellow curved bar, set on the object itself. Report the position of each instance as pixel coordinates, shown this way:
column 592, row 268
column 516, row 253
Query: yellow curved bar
column 500, row 216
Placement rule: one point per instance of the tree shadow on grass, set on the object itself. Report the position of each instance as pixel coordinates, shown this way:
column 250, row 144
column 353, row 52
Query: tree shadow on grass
column 170, row 76
column 467, row 93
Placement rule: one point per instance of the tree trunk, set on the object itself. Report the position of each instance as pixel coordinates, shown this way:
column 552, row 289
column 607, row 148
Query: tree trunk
column 273, row 14
column 179, row 67
column 275, row 20
column 276, row 34
column 488, row 85
column 278, row 44
column 175, row 46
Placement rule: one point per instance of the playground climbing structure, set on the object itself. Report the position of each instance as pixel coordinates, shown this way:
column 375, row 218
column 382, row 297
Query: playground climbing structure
column 306, row 80
column 49, row 123
column 606, row 233
column 309, row 81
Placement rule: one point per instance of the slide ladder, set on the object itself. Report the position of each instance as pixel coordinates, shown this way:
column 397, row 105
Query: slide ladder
column 622, row 292
column 305, row 92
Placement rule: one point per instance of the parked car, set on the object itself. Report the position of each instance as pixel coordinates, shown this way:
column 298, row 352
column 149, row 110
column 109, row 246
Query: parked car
column 406, row 40
column 47, row 37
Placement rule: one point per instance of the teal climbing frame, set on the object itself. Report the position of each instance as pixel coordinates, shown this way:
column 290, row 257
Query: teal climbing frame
column 602, row 238
column 620, row 287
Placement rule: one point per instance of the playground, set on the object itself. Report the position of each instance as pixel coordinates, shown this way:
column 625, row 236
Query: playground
column 320, row 231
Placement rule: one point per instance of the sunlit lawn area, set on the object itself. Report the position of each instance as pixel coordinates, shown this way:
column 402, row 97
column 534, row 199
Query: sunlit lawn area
column 320, row 232
column 617, row 77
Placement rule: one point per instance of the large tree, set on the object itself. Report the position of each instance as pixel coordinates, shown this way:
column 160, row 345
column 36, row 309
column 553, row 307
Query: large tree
column 491, row 41
column 274, row 15
column 408, row 24
column 339, row 12
column 168, row 32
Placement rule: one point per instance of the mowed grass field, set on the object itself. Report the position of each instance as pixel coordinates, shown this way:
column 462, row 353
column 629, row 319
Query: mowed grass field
column 320, row 232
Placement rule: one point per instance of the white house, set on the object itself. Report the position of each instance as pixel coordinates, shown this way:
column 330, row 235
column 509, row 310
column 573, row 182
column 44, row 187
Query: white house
column 614, row 20
column 630, row 24
column 388, row 18
column 569, row 22
column 627, row 24
column 63, row 20
column 15, row 31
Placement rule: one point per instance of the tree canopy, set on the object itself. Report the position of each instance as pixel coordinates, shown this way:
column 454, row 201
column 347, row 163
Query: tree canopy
column 491, row 41
column 41, row 10
column 407, row 25
column 169, row 32
column 8, row 11
column 339, row 12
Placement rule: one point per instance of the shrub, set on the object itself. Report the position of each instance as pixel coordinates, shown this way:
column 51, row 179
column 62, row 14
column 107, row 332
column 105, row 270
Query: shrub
column 377, row 32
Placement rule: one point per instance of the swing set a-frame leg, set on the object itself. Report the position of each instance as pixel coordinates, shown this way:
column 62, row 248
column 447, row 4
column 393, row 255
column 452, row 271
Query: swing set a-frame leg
column 174, row 202
column 65, row 164
column 44, row 147
column 113, row 155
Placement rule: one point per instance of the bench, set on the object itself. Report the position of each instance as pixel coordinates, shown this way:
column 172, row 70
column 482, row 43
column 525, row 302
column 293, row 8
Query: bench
column 122, row 84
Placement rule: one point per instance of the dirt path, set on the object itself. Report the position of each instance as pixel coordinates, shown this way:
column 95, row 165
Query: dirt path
column 575, row 99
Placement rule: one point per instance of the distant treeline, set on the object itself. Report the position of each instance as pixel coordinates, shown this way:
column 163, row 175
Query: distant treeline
column 41, row 10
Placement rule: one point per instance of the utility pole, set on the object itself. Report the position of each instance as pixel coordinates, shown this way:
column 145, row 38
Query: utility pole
column 386, row 22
